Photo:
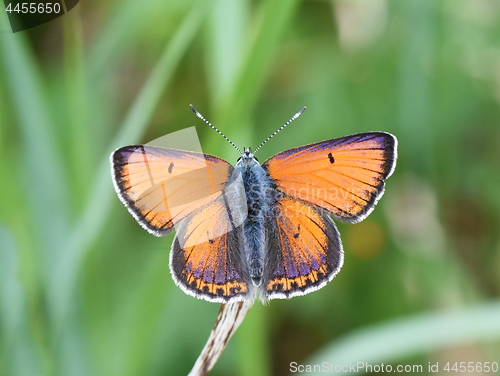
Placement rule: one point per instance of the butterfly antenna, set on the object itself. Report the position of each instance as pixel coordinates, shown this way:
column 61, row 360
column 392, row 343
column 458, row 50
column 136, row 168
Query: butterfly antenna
column 283, row 126
column 219, row 132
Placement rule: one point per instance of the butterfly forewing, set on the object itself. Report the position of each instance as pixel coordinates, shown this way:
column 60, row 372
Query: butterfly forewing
column 160, row 186
column 344, row 176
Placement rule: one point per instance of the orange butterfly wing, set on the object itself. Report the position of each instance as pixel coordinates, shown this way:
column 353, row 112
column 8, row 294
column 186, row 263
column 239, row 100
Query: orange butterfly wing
column 203, row 197
column 344, row 175
column 160, row 186
column 305, row 250
column 213, row 270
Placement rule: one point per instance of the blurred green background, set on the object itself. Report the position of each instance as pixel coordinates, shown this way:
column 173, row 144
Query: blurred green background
column 84, row 290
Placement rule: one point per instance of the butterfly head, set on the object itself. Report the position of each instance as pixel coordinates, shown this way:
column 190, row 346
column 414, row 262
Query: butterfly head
column 247, row 158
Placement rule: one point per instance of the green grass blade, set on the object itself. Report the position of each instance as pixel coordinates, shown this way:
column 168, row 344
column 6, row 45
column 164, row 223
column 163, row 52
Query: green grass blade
column 79, row 140
column 20, row 355
column 124, row 24
column 45, row 180
column 276, row 17
column 401, row 339
column 225, row 52
column 241, row 98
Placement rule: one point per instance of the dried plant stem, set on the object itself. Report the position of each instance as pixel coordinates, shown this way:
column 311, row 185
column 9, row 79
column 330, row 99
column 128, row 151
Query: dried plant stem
column 229, row 318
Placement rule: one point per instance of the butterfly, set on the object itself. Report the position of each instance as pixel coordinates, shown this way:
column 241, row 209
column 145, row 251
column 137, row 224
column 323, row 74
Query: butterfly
column 252, row 230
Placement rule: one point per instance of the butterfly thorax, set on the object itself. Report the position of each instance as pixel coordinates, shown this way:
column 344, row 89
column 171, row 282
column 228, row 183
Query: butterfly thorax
column 257, row 185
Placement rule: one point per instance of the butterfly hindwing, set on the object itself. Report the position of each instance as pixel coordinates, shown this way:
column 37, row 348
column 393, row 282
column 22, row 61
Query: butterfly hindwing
column 344, row 175
column 207, row 267
column 305, row 250
column 161, row 186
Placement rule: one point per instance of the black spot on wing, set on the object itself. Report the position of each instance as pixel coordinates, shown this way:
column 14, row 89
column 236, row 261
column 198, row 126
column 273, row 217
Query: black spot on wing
column 330, row 157
column 296, row 235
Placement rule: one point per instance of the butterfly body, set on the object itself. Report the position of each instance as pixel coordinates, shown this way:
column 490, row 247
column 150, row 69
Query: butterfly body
column 260, row 201
column 252, row 230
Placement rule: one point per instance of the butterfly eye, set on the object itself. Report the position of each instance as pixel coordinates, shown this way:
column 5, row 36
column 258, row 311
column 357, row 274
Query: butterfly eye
column 239, row 159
